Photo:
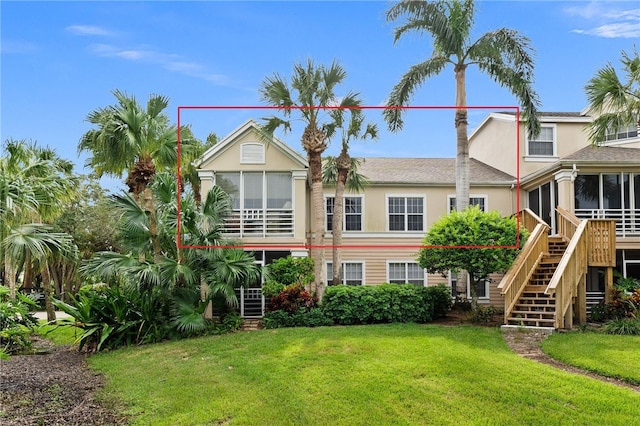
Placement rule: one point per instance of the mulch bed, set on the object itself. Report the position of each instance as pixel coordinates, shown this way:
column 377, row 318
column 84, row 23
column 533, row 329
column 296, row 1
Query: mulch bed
column 57, row 388
column 54, row 388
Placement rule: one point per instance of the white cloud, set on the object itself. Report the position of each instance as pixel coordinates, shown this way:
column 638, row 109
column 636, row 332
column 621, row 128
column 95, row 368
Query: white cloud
column 89, row 30
column 607, row 19
column 169, row 61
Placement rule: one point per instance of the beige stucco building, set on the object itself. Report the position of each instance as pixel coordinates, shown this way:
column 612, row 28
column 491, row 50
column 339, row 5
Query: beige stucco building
column 385, row 223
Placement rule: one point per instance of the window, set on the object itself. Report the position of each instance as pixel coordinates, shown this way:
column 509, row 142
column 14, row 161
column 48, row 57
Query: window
column 406, row 213
column 352, row 219
column 352, row 273
column 482, row 288
column 480, row 201
column 544, row 144
column 405, row 273
column 624, row 132
column 252, row 153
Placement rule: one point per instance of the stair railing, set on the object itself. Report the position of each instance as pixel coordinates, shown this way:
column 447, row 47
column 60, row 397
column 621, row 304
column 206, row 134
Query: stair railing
column 569, row 273
column 517, row 277
column 567, row 223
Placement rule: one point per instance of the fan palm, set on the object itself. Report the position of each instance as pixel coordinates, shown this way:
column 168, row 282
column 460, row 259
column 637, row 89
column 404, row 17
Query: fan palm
column 342, row 171
column 138, row 141
column 311, row 92
column 504, row 55
column 35, row 185
column 176, row 270
column 614, row 103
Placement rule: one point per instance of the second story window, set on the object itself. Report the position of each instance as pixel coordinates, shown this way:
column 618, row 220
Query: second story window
column 625, row 132
column 352, row 220
column 544, row 144
column 406, row 213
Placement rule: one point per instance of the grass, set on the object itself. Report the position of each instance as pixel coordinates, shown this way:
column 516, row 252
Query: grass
column 397, row 374
column 609, row 355
column 58, row 335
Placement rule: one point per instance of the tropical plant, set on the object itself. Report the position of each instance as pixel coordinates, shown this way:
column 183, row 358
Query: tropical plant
column 35, row 184
column 614, row 103
column 311, row 92
column 504, row 55
column 138, row 141
column 342, row 171
column 457, row 242
column 188, row 278
column 16, row 322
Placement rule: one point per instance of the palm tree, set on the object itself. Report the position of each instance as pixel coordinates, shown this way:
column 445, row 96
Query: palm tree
column 343, row 173
column 614, row 103
column 503, row 54
column 35, row 185
column 314, row 88
column 176, row 272
column 139, row 141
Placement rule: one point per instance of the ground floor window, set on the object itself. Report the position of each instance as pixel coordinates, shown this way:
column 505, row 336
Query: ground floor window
column 405, row 273
column 482, row 288
column 352, row 273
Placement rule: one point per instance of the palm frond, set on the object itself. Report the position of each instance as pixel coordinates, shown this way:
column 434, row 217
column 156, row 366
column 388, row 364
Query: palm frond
column 403, row 91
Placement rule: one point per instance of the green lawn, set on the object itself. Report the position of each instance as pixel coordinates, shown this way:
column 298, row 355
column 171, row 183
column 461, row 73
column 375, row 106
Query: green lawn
column 610, row 355
column 362, row 375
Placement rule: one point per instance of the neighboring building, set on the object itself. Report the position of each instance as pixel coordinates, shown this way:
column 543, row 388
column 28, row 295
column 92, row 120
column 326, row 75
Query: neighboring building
column 384, row 224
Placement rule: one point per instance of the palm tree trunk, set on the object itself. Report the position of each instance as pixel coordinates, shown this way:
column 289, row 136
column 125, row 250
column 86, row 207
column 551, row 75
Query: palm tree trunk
column 10, row 275
column 48, row 293
column 462, row 154
column 153, row 222
column 343, row 162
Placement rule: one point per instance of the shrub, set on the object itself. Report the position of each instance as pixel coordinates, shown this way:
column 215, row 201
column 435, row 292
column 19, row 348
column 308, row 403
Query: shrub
column 378, row 304
column 484, row 314
column 114, row 317
column 441, row 298
column 624, row 326
column 16, row 322
column 627, row 284
column 314, row 317
column 272, row 288
column 621, row 306
column 292, row 299
column 228, row 323
column 291, row 270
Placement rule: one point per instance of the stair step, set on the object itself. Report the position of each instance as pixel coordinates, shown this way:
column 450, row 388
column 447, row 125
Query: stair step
column 531, row 322
column 533, row 314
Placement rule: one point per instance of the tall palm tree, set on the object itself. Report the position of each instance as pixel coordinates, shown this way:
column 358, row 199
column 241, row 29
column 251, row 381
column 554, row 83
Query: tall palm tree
column 136, row 140
column 342, row 171
column 504, row 55
column 314, row 90
column 614, row 103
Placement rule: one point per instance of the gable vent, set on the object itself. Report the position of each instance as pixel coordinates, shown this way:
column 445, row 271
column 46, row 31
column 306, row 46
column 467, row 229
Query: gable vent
column 252, row 153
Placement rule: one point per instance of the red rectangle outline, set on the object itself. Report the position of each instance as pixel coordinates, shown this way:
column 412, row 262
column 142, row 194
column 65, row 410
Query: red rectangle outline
column 361, row 246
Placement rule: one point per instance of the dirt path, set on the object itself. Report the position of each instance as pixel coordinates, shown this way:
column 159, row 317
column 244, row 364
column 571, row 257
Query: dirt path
column 528, row 345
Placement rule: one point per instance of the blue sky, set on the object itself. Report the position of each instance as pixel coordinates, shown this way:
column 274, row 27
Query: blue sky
column 61, row 60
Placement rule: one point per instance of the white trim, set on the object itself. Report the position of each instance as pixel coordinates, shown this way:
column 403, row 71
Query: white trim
column 344, row 222
column 485, row 196
column 361, row 262
column 540, row 159
column 405, row 195
column 554, row 142
column 425, row 275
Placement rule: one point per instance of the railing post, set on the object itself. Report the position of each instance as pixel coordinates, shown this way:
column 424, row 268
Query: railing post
column 242, row 301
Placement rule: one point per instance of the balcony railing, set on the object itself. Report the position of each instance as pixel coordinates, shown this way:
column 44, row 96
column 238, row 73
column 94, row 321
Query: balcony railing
column 260, row 223
column 627, row 220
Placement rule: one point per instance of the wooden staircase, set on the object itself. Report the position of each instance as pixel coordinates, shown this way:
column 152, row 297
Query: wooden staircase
column 535, row 308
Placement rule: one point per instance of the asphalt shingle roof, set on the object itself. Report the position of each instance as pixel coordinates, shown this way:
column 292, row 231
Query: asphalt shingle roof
column 427, row 171
column 605, row 154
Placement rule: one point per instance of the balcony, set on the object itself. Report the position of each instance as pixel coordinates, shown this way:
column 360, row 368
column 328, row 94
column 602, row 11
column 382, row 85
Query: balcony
column 627, row 220
column 260, row 223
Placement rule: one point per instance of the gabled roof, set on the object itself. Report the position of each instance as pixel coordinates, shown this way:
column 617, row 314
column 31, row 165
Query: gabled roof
column 228, row 141
column 438, row 171
column 544, row 117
